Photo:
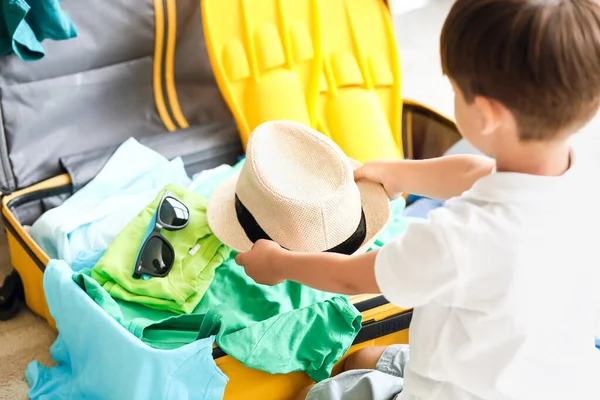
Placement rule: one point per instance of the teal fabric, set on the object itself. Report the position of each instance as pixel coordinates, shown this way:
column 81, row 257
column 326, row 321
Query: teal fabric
column 25, row 24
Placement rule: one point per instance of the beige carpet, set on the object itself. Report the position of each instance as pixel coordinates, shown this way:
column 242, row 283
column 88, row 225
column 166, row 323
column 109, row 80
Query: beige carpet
column 28, row 338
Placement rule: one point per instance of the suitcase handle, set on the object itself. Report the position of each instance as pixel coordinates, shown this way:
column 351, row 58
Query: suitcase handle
column 372, row 329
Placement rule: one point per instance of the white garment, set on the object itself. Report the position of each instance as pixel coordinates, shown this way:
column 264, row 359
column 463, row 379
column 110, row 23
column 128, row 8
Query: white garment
column 504, row 283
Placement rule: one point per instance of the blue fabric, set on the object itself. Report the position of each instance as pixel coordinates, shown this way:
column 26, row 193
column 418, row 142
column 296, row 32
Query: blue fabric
column 421, row 207
column 24, row 24
column 80, row 229
column 99, row 359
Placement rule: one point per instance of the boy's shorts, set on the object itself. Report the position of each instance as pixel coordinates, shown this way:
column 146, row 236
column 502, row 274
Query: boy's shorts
column 385, row 382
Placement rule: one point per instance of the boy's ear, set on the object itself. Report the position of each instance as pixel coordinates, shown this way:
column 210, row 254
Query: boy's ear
column 491, row 113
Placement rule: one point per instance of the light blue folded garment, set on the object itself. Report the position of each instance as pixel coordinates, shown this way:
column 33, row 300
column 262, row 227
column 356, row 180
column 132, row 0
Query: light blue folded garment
column 85, row 224
column 99, row 359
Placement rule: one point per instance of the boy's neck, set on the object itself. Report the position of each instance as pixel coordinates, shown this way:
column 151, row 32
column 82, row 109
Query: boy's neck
column 535, row 158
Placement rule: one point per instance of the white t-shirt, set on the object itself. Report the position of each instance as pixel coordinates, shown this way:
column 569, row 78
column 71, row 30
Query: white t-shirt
column 505, row 285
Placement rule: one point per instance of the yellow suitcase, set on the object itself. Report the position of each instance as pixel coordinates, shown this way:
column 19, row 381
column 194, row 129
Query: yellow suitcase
column 143, row 70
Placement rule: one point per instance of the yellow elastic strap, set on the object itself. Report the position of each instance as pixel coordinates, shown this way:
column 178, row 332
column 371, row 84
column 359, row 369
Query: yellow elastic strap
column 170, row 65
column 158, row 47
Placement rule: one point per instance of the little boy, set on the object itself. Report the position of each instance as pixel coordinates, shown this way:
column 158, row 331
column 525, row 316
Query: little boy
column 504, row 278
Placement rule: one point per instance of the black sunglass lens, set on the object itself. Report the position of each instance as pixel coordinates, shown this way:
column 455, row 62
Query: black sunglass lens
column 157, row 256
column 173, row 213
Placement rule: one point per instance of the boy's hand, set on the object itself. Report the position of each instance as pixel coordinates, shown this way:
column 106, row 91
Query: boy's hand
column 260, row 263
column 382, row 172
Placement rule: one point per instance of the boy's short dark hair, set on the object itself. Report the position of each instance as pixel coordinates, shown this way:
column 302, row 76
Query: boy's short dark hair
column 539, row 58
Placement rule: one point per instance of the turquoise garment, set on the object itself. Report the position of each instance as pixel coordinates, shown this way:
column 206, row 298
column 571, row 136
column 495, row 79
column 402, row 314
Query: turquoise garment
column 24, row 24
column 98, row 359
column 284, row 328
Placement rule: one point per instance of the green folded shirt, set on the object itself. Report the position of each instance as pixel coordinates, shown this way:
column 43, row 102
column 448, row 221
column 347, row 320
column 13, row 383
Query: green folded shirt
column 197, row 254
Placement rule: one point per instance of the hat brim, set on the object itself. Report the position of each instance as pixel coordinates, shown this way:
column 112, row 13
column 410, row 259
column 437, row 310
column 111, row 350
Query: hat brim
column 222, row 217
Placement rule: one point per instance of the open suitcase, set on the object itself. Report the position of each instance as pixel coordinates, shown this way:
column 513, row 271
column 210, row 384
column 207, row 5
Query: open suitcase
column 142, row 69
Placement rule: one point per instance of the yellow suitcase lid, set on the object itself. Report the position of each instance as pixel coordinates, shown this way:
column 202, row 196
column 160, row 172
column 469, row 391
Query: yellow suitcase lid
column 330, row 64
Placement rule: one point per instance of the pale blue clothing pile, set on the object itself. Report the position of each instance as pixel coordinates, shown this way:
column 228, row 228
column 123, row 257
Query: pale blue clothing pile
column 99, row 359
column 79, row 230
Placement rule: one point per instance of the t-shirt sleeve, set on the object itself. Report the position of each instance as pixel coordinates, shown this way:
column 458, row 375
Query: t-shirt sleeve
column 419, row 266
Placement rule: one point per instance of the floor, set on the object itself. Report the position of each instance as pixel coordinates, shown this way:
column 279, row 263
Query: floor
column 27, row 337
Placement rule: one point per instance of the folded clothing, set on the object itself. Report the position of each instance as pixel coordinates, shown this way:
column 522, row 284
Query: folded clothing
column 24, row 24
column 98, row 359
column 81, row 228
column 197, row 254
column 279, row 329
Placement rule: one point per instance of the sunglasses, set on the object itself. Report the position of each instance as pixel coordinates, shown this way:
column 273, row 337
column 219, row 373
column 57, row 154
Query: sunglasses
column 156, row 255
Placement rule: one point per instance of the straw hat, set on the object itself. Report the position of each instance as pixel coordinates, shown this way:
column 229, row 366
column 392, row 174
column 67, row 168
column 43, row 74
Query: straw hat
column 297, row 188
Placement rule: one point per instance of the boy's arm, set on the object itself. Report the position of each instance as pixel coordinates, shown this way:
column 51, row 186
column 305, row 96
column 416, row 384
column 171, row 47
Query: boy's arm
column 443, row 177
column 269, row 264
column 439, row 178
column 329, row 272
column 409, row 271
